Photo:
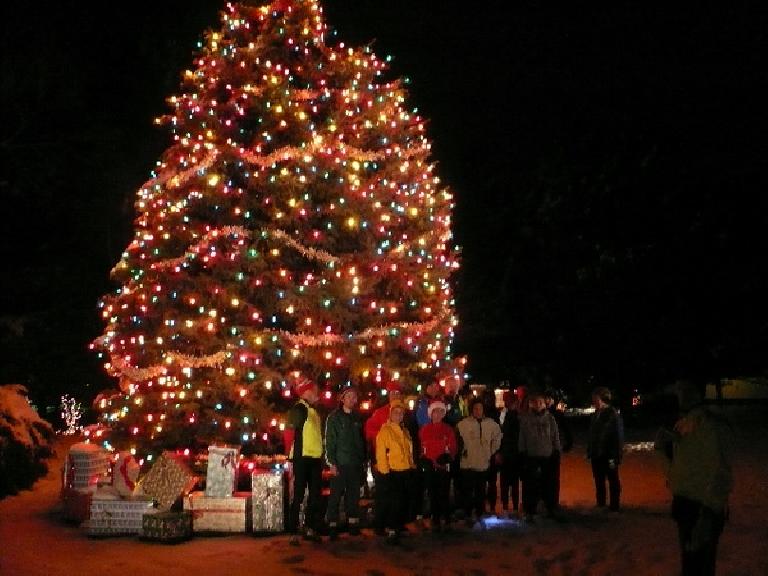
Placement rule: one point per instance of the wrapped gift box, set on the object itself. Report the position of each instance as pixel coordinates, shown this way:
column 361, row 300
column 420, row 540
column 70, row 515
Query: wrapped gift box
column 231, row 514
column 84, row 466
column 168, row 480
column 167, row 526
column 75, row 505
column 221, row 477
column 269, row 501
column 118, row 517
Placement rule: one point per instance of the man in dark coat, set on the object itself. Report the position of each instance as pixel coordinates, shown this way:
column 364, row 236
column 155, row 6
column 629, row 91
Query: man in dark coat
column 605, row 448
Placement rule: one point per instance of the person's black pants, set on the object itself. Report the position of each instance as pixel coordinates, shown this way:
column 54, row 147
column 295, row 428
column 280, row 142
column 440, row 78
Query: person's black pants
column 509, row 480
column 438, row 486
column 346, row 483
column 307, row 476
column 394, row 498
column 538, row 484
column 699, row 530
column 602, row 472
column 556, row 457
column 415, row 495
column 475, row 487
column 491, row 493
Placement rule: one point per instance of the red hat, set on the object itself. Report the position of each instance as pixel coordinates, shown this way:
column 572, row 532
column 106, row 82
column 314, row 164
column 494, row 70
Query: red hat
column 303, row 385
column 394, row 387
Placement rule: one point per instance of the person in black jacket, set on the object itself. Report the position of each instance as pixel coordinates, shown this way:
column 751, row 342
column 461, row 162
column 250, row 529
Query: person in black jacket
column 345, row 455
column 605, row 447
column 509, row 454
column 556, row 408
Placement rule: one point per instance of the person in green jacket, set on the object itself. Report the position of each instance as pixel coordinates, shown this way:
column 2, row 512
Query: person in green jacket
column 345, row 455
column 701, row 479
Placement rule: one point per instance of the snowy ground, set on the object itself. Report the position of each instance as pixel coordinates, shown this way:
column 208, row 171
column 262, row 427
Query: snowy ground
column 640, row 541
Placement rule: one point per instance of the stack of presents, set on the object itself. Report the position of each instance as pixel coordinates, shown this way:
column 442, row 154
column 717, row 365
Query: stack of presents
column 108, row 497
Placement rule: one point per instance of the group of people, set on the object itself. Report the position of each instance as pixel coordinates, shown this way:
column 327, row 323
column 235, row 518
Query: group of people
column 456, row 440
column 450, row 440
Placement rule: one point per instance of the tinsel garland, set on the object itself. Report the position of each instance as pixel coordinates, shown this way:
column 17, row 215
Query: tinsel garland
column 217, row 359
column 185, row 360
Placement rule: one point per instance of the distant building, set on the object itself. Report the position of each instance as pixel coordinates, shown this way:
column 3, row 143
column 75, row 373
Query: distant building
column 739, row 389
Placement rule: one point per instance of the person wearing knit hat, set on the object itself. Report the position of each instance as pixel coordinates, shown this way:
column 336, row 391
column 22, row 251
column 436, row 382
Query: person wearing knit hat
column 304, row 444
column 345, row 455
column 303, row 385
column 395, row 465
column 438, row 449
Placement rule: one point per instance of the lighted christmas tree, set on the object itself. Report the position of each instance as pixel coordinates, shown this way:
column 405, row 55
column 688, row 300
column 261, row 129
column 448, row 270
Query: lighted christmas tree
column 294, row 227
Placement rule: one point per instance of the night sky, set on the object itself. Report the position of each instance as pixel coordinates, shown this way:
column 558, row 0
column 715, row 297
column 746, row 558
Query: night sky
column 609, row 167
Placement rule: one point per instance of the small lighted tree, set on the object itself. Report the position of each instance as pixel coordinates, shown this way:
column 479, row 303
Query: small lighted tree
column 71, row 412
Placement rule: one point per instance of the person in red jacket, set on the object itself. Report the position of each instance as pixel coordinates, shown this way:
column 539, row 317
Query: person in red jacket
column 439, row 448
column 380, row 416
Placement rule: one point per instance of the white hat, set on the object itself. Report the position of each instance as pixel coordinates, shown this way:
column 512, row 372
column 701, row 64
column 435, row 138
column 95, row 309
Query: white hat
column 436, row 405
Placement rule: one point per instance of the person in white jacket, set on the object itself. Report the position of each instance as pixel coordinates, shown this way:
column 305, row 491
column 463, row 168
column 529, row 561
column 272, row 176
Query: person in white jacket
column 480, row 439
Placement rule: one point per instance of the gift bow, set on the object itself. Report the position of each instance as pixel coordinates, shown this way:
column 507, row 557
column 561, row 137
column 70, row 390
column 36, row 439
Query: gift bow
column 228, row 460
column 124, row 473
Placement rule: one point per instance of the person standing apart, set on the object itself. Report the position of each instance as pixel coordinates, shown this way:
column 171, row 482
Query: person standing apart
column 539, row 446
column 605, row 448
column 480, row 440
column 439, row 447
column 395, row 466
column 304, row 442
column 345, row 455
column 701, row 479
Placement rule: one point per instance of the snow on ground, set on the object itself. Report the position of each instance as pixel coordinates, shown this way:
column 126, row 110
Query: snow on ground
column 639, row 541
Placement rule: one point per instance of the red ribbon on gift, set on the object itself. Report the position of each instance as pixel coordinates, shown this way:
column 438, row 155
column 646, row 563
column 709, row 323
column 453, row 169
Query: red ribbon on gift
column 124, row 473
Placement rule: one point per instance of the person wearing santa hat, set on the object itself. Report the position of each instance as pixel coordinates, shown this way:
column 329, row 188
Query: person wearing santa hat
column 432, row 392
column 304, row 443
column 439, row 448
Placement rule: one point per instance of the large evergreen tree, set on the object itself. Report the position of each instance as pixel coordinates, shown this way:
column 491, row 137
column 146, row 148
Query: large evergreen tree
column 294, row 227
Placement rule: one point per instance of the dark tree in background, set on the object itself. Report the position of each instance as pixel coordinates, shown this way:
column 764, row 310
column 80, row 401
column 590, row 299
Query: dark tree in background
column 608, row 165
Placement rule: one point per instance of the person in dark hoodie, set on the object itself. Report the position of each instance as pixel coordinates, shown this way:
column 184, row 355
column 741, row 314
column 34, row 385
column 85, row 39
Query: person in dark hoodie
column 555, row 407
column 509, row 454
column 345, row 455
column 605, row 448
